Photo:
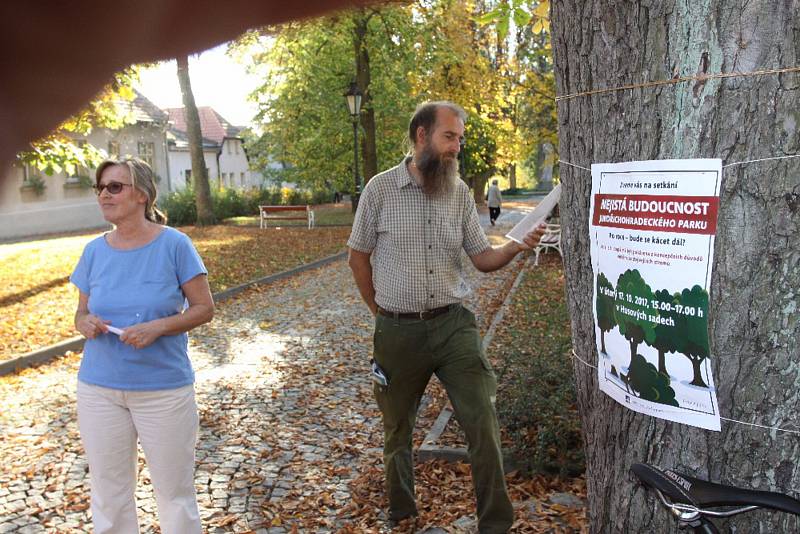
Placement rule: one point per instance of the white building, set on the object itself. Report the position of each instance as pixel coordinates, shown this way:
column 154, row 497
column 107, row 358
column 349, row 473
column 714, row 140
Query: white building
column 223, row 151
column 32, row 203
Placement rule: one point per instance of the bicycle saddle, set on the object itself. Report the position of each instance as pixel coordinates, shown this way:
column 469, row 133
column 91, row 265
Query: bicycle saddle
column 696, row 492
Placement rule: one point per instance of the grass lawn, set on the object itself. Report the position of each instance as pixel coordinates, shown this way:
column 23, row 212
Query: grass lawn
column 324, row 215
column 37, row 302
column 530, row 351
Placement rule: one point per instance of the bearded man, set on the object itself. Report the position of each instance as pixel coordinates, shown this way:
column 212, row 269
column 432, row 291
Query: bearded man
column 411, row 225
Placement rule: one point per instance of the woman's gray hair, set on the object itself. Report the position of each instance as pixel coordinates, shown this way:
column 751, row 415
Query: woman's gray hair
column 142, row 178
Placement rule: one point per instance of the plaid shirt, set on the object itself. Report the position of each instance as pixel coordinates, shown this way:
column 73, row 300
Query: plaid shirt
column 416, row 241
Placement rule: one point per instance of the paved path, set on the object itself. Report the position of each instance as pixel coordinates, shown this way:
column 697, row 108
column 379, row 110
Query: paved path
column 288, row 422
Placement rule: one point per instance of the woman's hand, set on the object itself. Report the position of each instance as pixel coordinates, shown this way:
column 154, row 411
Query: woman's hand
column 141, row 335
column 90, row 326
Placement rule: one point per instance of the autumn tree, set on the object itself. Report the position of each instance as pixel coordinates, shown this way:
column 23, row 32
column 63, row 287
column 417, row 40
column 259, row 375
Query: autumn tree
column 306, row 69
column 59, row 151
column 202, row 189
column 754, row 316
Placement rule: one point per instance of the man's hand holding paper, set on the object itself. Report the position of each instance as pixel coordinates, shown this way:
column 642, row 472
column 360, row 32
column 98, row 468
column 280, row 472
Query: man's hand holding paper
column 529, row 230
column 531, row 239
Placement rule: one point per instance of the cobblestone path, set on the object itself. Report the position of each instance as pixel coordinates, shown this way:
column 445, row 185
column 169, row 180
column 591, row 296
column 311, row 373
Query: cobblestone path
column 287, row 415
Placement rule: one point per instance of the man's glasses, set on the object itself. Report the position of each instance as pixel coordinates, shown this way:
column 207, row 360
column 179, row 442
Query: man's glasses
column 113, row 187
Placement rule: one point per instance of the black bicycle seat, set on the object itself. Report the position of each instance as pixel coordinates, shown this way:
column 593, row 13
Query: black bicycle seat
column 699, row 493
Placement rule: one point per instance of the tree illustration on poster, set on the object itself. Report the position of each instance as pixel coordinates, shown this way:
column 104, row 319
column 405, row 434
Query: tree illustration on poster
column 605, row 308
column 632, row 311
column 695, row 307
column 667, row 322
column 645, row 380
column 669, row 334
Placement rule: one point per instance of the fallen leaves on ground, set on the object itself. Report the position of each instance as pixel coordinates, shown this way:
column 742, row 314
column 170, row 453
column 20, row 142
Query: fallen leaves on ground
column 37, row 302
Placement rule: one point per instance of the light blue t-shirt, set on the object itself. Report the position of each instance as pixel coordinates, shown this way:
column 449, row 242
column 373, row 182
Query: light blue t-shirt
column 134, row 286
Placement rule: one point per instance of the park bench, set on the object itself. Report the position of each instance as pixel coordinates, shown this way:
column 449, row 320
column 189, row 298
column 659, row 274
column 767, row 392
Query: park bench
column 284, row 213
column 550, row 240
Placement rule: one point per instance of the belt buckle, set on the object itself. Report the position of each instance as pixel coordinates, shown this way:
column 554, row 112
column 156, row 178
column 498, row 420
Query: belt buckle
column 422, row 315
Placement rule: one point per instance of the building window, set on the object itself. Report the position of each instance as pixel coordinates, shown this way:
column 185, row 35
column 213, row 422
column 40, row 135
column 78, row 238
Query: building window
column 188, row 177
column 241, row 177
column 74, row 178
column 113, row 149
column 236, row 146
column 146, row 152
column 229, row 146
column 224, row 178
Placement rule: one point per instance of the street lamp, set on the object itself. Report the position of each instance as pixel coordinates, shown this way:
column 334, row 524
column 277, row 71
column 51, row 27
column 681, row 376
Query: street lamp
column 353, row 97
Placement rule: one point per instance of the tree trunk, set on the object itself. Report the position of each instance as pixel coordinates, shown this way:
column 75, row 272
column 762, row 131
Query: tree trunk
column 697, row 379
column 754, row 329
column 370, row 152
column 512, row 176
column 202, row 190
column 662, row 362
column 479, row 188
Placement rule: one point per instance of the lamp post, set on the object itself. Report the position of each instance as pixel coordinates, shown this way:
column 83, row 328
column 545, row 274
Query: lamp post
column 353, row 97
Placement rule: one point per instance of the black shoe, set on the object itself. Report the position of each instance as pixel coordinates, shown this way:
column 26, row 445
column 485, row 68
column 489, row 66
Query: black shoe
column 394, row 523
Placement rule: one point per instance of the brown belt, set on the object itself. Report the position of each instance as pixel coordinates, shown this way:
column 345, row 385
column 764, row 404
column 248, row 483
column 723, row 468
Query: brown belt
column 423, row 315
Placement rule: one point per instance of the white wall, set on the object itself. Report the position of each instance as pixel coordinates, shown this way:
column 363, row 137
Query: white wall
column 233, row 165
column 64, row 206
column 180, row 160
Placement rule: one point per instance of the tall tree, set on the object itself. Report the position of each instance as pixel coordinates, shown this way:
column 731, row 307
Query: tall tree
column 308, row 67
column 202, row 189
column 59, row 152
column 754, row 329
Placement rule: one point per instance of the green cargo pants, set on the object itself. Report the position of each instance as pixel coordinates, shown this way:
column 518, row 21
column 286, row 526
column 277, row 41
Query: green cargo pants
column 410, row 351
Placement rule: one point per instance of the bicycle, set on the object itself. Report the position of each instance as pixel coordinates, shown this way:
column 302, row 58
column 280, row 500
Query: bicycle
column 686, row 496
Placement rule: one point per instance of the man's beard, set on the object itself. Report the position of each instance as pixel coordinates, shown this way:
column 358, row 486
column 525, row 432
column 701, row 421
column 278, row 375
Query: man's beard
column 439, row 171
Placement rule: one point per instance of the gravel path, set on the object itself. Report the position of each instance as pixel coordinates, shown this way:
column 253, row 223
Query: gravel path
column 287, row 415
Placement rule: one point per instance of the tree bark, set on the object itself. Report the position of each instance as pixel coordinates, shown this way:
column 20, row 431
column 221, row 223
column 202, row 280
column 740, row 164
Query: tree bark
column 202, row 190
column 754, row 328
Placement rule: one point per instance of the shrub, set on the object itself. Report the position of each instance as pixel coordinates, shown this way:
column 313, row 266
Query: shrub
column 536, row 401
column 226, row 203
column 179, row 207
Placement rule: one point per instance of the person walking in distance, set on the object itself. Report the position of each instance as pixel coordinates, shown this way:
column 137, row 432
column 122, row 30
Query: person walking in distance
column 495, row 200
column 412, row 223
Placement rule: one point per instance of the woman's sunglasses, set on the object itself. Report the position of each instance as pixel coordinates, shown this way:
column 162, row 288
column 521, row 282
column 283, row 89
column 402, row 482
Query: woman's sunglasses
column 113, row 187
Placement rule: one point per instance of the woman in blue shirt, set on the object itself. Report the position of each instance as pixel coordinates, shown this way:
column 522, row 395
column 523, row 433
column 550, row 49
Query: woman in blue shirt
column 142, row 287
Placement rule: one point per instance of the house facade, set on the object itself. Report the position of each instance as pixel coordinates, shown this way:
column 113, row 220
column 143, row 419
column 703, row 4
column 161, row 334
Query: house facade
column 32, row 203
column 223, row 151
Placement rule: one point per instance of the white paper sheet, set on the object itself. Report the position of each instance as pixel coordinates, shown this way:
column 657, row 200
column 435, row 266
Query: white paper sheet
column 537, row 216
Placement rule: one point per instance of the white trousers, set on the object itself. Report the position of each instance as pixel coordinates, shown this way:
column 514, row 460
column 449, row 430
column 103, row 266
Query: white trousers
column 166, row 424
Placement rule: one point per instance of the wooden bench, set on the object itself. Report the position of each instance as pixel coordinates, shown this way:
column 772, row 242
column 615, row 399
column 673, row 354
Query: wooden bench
column 283, row 213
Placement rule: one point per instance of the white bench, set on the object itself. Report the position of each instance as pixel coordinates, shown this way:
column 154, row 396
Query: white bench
column 550, row 240
column 279, row 213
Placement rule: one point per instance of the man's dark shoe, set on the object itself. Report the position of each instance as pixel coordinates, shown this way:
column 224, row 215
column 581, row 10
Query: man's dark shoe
column 405, row 521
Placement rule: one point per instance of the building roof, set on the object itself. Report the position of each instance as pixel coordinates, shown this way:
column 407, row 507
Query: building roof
column 180, row 141
column 212, row 125
column 142, row 109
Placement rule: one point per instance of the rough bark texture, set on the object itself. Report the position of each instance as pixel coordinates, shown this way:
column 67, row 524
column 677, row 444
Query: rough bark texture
column 202, row 190
column 754, row 310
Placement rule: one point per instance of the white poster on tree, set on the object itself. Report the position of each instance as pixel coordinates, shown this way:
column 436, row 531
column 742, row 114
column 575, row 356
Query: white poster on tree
column 652, row 227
